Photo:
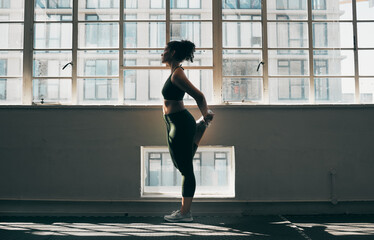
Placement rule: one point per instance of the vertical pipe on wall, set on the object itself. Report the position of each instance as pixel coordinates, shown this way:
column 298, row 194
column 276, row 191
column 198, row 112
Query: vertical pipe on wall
column 333, row 196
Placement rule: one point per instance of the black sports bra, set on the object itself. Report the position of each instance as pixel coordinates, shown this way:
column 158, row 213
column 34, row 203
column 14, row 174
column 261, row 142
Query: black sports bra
column 170, row 91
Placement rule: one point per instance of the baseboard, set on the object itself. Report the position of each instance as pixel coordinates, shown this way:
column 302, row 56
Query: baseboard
column 159, row 208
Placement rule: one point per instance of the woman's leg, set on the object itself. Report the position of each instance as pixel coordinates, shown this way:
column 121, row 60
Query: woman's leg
column 181, row 134
column 186, row 204
column 200, row 130
column 188, row 187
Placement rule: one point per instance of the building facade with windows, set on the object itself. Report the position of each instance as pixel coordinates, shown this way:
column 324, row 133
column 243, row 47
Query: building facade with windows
column 116, row 59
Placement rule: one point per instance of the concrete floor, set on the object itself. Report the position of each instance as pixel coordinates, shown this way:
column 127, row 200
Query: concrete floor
column 272, row 227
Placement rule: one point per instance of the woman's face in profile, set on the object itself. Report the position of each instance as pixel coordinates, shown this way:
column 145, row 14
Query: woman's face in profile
column 166, row 55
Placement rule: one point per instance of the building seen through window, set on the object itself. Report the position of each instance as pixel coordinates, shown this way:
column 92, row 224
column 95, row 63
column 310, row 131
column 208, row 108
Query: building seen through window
column 213, row 168
column 105, row 72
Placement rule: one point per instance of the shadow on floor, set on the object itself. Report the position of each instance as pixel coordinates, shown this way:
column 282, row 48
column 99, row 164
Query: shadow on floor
column 247, row 227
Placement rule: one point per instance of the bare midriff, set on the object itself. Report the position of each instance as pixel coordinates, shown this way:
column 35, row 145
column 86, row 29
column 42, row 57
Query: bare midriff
column 172, row 106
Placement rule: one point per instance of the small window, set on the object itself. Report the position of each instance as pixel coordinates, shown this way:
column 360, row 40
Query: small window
column 214, row 169
column 3, row 83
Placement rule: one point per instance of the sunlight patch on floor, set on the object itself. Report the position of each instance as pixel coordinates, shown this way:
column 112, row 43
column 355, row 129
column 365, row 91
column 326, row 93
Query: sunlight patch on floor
column 124, row 229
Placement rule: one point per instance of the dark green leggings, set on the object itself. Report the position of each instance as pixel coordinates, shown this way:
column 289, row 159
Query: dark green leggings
column 181, row 128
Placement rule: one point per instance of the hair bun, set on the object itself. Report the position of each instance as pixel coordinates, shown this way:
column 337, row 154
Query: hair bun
column 184, row 50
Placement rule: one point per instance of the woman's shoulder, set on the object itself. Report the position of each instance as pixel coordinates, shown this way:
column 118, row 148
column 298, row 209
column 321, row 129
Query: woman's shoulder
column 178, row 72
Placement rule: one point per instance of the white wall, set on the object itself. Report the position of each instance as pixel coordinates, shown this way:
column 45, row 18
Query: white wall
column 283, row 153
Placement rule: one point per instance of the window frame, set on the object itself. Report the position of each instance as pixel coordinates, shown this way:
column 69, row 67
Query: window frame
column 217, row 50
column 164, row 193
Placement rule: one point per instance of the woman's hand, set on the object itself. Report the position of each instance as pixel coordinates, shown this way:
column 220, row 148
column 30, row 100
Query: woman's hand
column 209, row 116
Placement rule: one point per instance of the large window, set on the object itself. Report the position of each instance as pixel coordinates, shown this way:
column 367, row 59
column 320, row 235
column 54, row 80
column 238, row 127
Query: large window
column 242, row 51
column 269, row 52
column 11, row 51
column 214, row 169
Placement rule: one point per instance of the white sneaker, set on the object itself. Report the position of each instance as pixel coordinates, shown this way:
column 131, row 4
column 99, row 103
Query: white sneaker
column 177, row 216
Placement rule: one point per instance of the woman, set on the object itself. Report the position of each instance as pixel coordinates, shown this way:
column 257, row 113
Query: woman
column 183, row 133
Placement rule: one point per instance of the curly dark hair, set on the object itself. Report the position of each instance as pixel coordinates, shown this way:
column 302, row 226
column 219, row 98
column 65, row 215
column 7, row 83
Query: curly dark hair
column 184, row 50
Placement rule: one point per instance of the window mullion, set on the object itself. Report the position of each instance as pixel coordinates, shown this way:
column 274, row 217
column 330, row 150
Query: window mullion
column 355, row 52
column 28, row 42
column 74, row 84
column 167, row 8
column 310, row 42
column 217, row 51
column 265, row 57
column 120, row 69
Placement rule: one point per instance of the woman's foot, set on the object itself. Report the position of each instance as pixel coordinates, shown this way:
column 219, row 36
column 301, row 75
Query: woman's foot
column 177, row 216
column 201, row 126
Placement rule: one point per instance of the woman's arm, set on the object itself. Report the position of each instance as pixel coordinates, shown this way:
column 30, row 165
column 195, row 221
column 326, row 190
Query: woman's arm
column 180, row 80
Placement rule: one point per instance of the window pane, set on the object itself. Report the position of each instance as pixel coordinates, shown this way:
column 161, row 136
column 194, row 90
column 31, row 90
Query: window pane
column 132, row 4
column 50, row 63
column 288, row 62
column 318, row 5
column 333, row 62
column 201, row 58
column 142, row 58
column 143, row 10
column 199, row 33
column 179, row 3
column 365, row 35
column 221, row 169
column 102, row 9
column 10, row 90
column 292, row 9
column 367, row 90
column 146, row 85
column 289, row 90
column 52, row 35
column 130, row 35
column 334, row 90
column 153, row 58
column 242, row 89
column 181, row 8
column 98, row 35
column 12, row 36
column 242, row 34
column 288, row 35
column 98, row 91
column 152, row 35
column 241, row 63
column 51, row 90
column 156, row 3
column 52, row 10
column 201, row 79
column 332, row 10
column 365, row 10
column 332, row 35
column 129, row 85
column 234, row 7
column 98, row 63
column 11, row 10
column 11, row 64
column 365, row 59
column 229, row 4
